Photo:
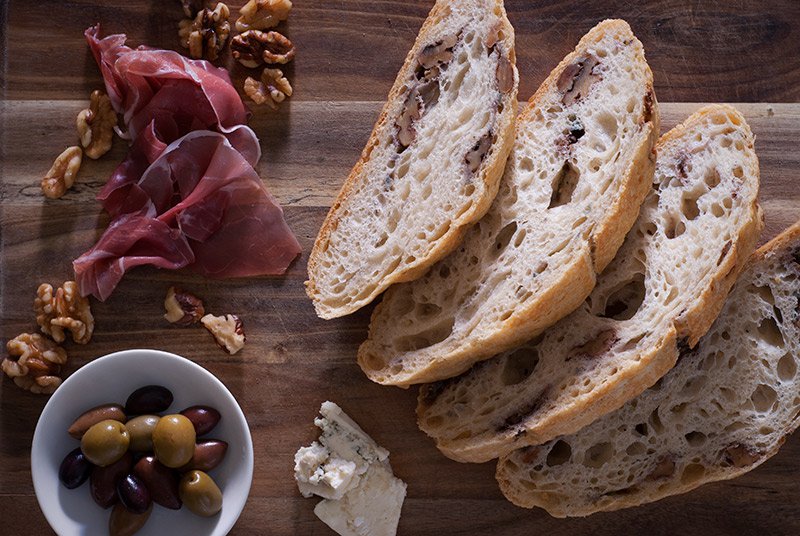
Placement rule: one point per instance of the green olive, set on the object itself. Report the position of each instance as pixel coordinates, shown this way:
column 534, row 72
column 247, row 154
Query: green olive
column 200, row 494
column 173, row 440
column 105, row 442
column 141, row 430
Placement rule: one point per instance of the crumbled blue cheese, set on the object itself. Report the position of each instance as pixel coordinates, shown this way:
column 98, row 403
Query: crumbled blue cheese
column 352, row 473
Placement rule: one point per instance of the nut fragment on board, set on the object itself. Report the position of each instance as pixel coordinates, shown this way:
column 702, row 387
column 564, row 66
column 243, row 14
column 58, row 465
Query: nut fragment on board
column 34, row 363
column 227, row 330
column 96, row 124
column 182, row 307
column 272, row 89
column 252, row 48
column 262, row 14
column 64, row 309
column 205, row 35
column 62, row 174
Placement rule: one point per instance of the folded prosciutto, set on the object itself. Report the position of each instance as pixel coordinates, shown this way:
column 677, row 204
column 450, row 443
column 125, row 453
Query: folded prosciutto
column 187, row 194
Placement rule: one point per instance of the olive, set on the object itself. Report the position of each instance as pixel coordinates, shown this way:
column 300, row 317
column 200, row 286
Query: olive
column 207, row 455
column 88, row 418
column 104, row 480
column 141, row 430
column 148, row 399
column 204, row 418
column 123, row 522
column 105, row 442
column 134, row 494
column 173, row 440
column 160, row 481
column 74, row 469
column 200, row 494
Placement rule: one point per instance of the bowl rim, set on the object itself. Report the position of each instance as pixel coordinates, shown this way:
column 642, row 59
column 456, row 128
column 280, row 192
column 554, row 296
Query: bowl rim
column 37, row 472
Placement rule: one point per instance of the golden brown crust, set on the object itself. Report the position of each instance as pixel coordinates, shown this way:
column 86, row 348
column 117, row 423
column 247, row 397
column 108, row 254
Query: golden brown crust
column 490, row 176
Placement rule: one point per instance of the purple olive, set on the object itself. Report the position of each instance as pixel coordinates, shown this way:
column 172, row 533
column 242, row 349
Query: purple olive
column 74, row 469
column 148, row 399
column 133, row 494
column 207, row 455
column 161, row 482
column 204, row 418
column 104, row 480
column 126, row 523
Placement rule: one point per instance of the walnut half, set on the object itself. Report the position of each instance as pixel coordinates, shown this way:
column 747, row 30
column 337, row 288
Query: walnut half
column 252, row 48
column 34, row 363
column 227, row 330
column 96, row 125
column 206, row 35
column 62, row 175
column 271, row 90
column 64, row 309
column 262, row 14
column 182, row 307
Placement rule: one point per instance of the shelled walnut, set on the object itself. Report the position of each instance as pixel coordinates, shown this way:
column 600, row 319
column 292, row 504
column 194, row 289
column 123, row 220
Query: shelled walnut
column 62, row 175
column 205, row 35
column 227, row 330
column 64, row 309
column 182, row 308
column 262, row 14
column 252, row 48
column 272, row 89
column 34, row 363
column 96, row 124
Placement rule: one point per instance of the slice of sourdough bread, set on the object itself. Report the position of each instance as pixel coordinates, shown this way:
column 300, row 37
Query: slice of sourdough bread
column 725, row 408
column 581, row 165
column 666, row 286
column 432, row 165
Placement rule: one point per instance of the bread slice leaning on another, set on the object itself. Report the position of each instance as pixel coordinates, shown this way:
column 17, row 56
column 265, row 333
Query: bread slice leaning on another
column 726, row 407
column 432, row 165
column 581, row 165
column 696, row 229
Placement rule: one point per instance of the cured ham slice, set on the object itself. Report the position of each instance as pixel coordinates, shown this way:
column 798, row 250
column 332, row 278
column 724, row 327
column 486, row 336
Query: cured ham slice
column 200, row 205
column 187, row 194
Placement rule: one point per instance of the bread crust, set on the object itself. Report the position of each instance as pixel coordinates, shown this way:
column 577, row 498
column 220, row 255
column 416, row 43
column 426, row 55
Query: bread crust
column 489, row 175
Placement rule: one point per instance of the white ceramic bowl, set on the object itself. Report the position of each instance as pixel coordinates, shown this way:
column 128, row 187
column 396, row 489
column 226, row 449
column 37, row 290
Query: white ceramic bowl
column 111, row 379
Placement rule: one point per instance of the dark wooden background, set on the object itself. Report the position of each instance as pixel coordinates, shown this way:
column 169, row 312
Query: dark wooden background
column 348, row 52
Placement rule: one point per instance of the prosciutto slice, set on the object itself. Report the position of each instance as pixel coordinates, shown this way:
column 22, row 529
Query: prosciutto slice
column 187, row 194
column 202, row 206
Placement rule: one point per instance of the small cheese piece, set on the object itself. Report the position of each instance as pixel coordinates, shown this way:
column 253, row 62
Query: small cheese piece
column 352, row 473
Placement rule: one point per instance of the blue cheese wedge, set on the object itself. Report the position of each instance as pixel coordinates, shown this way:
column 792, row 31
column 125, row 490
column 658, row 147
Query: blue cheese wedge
column 362, row 497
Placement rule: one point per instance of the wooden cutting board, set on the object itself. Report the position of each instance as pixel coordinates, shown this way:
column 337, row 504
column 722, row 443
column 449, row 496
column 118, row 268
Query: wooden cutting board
column 348, row 53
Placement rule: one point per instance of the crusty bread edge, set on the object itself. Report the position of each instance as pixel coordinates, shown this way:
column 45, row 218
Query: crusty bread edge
column 490, row 175
column 551, row 503
column 579, row 277
column 692, row 324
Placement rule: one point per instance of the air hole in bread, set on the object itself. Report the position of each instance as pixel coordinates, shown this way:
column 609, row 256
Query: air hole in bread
column 674, row 226
column 519, row 366
column 382, row 240
column 435, row 334
column 641, row 428
column 598, row 455
column 695, row 439
column 559, row 454
column 770, row 332
column 787, row 368
column 564, row 184
column 504, row 237
column 692, row 473
column 655, row 422
column 689, row 205
column 764, row 398
column 426, row 310
column 624, row 301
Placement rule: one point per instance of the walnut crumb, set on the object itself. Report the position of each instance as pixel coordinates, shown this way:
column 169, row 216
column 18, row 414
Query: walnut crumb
column 272, row 89
column 227, row 330
column 182, row 307
column 205, row 35
column 64, row 309
column 96, row 124
column 262, row 14
column 62, row 175
column 34, row 363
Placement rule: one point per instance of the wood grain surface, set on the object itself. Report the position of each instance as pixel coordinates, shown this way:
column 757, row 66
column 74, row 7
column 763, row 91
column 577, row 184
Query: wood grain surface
column 348, row 54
